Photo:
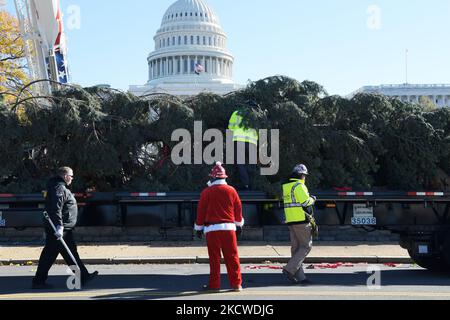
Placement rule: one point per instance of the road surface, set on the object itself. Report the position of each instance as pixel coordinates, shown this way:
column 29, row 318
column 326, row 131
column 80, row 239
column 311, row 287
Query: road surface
column 261, row 282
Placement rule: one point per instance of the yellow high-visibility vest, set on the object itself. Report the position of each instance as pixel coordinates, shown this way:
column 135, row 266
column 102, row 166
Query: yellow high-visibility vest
column 295, row 198
column 240, row 133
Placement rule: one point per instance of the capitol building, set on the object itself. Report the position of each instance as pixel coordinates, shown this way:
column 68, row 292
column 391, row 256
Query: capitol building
column 190, row 54
column 437, row 94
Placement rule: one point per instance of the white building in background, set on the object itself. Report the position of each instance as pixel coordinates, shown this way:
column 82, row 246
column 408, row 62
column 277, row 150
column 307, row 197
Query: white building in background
column 190, row 54
column 439, row 94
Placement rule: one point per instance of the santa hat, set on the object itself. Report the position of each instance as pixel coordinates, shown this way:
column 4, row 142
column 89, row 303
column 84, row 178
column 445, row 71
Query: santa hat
column 218, row 172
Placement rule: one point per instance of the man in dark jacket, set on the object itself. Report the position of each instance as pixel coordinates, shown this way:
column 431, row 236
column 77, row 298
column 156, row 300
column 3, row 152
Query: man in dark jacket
column 62, row 209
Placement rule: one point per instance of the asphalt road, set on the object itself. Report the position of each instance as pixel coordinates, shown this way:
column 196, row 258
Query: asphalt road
column 261, row 282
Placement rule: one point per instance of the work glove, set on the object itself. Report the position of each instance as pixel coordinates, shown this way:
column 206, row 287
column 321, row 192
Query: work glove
column 200, row 234
column 59, row 232
column 314, row 226
column 239, row 231
column 314, row 198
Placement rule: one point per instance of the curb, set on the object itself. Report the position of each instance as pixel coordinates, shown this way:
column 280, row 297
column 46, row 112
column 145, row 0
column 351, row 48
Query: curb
column 205, row 260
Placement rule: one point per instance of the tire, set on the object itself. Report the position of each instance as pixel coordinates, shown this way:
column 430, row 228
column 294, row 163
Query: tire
column 431, row 263
column 405, row 242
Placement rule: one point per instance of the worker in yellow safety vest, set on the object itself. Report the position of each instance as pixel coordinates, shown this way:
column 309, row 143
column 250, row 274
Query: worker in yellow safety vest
column 245, row 145
column 296, row 200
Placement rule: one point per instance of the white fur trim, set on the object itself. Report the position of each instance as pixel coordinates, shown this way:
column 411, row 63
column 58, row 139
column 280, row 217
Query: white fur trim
column 219, row 182
column 240, row 224
column 198, row 228
column 221, row 227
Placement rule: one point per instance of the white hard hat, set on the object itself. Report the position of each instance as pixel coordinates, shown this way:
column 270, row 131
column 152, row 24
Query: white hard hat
column 300, row 169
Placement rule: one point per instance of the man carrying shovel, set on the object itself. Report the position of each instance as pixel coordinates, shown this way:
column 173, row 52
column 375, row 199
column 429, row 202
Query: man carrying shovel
column 62, row 210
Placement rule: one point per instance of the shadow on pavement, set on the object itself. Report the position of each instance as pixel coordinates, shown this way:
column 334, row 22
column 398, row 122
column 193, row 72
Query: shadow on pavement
column 156, row 286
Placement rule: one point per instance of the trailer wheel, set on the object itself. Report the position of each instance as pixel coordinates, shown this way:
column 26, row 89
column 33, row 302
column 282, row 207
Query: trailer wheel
column 405, row 242
column 432, row 263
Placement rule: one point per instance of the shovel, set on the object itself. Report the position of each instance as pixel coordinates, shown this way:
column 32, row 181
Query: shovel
column 61, row 239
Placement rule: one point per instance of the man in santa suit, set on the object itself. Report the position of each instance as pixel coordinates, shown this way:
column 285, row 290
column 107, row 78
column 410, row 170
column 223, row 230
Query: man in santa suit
column 219, row 216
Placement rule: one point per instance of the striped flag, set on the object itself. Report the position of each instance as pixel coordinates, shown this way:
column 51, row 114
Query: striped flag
column 60, row 50
column 199, row 68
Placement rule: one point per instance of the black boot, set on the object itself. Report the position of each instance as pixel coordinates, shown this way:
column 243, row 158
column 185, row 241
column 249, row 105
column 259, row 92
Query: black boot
column 89, row 277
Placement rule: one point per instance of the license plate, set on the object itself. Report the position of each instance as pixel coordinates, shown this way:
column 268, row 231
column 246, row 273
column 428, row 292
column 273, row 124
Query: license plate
column 362, row 221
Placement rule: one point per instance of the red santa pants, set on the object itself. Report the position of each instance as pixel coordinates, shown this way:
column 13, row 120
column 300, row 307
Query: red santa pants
column 225, row 242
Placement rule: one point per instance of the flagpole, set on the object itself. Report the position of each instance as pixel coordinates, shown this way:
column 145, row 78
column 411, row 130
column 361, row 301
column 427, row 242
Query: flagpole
column 196, row 80
column 198, row 68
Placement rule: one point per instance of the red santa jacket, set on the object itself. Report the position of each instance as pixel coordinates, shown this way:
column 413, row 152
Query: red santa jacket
column 219, row 205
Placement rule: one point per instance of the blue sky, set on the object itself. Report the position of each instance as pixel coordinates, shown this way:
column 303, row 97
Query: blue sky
column 341, row 44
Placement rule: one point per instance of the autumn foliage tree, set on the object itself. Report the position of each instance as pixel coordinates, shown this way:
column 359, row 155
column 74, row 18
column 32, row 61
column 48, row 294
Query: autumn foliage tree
column 13, row 74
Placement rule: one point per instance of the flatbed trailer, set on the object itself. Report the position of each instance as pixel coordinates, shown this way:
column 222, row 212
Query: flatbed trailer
column 422, row 219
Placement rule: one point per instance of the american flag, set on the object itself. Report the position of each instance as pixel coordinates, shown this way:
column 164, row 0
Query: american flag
column 60, row 51
column 61, row 62
column 199, row 68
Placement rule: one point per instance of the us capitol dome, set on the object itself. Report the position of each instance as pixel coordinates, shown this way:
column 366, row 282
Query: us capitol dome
column 190, row 53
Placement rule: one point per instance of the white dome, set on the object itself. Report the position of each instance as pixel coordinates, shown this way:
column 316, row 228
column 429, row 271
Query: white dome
column 189, row 10
column 190, row 53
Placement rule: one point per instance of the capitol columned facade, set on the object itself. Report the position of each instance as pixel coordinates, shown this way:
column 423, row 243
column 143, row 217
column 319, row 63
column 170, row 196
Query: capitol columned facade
column 190, row 54
column 438, row 94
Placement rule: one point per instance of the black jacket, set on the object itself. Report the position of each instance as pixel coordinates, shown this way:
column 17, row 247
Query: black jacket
column 61, row 204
